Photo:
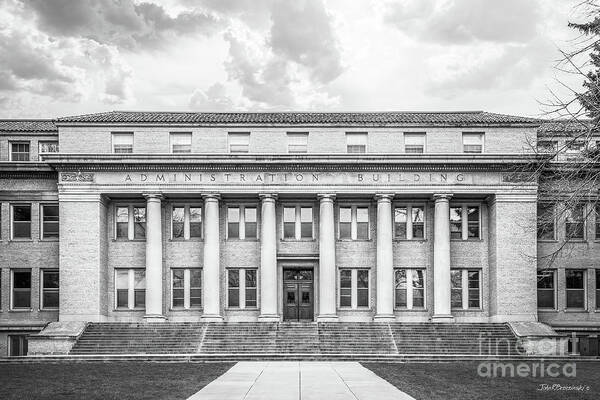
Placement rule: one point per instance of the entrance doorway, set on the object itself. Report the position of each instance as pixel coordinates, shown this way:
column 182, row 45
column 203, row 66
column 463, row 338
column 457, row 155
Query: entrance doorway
column 298, row 296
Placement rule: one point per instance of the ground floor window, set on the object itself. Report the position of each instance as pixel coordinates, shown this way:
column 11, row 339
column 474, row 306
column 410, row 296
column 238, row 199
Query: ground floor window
column 49, row 288
column 546, row 289
column 186, row 288
column 598, row 289
column 354, row 288
column 575, row 288
column 130, row 288
column 465, row 288
column 241, row 288
column 409, row 288
column 21, row 288
column 17, row 345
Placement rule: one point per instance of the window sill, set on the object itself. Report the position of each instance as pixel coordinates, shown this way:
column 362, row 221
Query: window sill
column 241, row 309
column 127, row 240
column 576, row 311
column 355, row 240
column 20, row 310
column 195, row 240
column 554, row 310
column 411, row 240
column 547, row 240
column 186, row 309
column 241, row 240
column 576, row 240
column 472, row 240
column 297, row 240
column 17, row 240
column 362, row 309
column 129, row 309
column 49, row 309
column 467, row 309
column 410, row 310
column 50, row 240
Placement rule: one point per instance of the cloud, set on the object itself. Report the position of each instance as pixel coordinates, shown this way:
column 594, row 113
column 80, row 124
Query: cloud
column 123, row 23
column 465, row 21
column 215, row 98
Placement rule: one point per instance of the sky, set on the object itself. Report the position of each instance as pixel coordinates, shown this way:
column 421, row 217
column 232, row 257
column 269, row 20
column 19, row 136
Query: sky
column 71, row 57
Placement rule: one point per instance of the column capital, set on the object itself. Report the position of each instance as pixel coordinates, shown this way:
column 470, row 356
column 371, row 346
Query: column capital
column 326, row 196
column 211, row 196
column 267, row 196
column 153, row 196
column 442, row 196
column 386, row 197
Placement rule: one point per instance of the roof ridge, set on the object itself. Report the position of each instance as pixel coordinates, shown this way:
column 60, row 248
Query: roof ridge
column 290, row 112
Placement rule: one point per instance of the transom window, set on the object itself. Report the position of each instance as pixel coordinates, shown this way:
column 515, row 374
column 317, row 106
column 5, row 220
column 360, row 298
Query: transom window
column 575, row 221
column 472, row 142
column 465, row 288
column 186, row 288
column 241, row 288
column 241, row 222
column 409, row 288
column 354, row 288
column 21, row 288
column 297, row 222
column 186, row 222
column 354, row 222
column 575, row 288
column 414, row 142
column 122, row 142
column 130, row 288
column 460, row 213
column 356, row 142
column 546, row 289
column 239, row 142
column 297, row 142
column 48, row 147
column 409, row 221
column 49, row 287
column 21, row 221
column 130, row 222
column 546, row 221
column 19, row 151
column 181, row 142
column 49, row 228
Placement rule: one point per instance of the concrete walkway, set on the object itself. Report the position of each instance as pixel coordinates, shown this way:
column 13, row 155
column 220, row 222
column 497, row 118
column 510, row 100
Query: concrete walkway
column 299, row 380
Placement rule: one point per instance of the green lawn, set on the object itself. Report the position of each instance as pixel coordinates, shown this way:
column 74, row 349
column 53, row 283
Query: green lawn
column 461, row 381
column 118, row 380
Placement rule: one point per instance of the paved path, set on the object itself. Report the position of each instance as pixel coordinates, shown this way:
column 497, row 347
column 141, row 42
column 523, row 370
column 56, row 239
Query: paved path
column 299, row 380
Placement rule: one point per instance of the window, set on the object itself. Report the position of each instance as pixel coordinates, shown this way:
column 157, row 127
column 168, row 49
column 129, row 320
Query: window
column 598, row 289
column 21, row 221
column 573, row 149
column 127, row 227
column 139, row 222
column 122, row 142
column 597, row 209
column 186, row 222
column 575, row 288
column 409, row 288
column 469, row 213
column 49, row 221
column 17, row 345
column 239, row 142
column 21, row 288
column 356, row 142
column 122, row 222
column 186, row 288
column 547, row 147
column 354, row 288
column 130, row 288
column 241, row 222
column 545, row 221
column 546, row 289
column 297, row 142
column 46, row 147
column 472, row 142
column 49, row 297
column 414, row 142
column 465, row 289
column 241, row 288
column 354, row 222
column 575, row 221
column 181, row 142
column 409, row 228
column 297, row 222
column 19, row 151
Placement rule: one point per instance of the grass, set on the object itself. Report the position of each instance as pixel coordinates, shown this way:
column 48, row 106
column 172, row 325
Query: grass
column 118, row 380
column 461, row 381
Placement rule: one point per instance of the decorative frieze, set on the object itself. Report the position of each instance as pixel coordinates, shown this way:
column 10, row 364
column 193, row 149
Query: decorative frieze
column 77, row 176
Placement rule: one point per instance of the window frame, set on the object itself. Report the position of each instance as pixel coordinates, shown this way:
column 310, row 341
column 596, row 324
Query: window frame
column 481, row 135
column 242, row 221
column 583, row 222
column 297, row 221
column 44, row 290
column 187, row 288
column 353, row 288
column 554, row 289
column 422, row 135
column 42, row 222
column 130, row 289
column 10, row 150
column 554, row 221
column 465, row 289
column 187, row 221
column 242, row 288
column 173, row 135
column 122, row 134
column 303, row 135
column 465, row 221
column 130, row 221
column 356, row 135
column 12, row 221
column 354, row 221
column 13, row 289
column 231, row 135
column 410, row 289
column 584, row 289
column 409, row 222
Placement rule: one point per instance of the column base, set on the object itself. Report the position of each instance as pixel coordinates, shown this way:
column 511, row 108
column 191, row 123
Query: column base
column 211, row 318
column 384, row 318
column 269, row 318
column 327, row 318
column 154, row 318
column 448, row 318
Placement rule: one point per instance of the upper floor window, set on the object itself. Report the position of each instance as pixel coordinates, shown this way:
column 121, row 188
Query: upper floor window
column 49, row 228
column 356, row 142
column 130, row 288
column 181, row 142
column 130, row 222
column 241, row 222
column 414, row 142
column 597, row 222
column 21, row 221
column 575, row 288
column 574, row 148
column 122, row 142
column 186, row 222
column 575, row 221
column 354, row 222
column 409, row 288
column 297, row 142
column 409, row 222
column 48, row 146
column 239, row 142
column 460, row 230
column 49, row 288
column 19, row 151
column 472, row 142
column 546, row 289
column 545, row 221
column 597, row 289
column 21, row 288
column 465, row 289
column 547, row 147
column 297, row 222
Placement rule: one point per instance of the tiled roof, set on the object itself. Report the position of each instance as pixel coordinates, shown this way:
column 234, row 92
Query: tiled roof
column 564, row 126
column 461, row 118
column 27, row 125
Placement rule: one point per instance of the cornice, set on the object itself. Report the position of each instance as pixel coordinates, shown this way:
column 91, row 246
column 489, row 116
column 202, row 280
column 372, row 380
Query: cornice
column 26, row 170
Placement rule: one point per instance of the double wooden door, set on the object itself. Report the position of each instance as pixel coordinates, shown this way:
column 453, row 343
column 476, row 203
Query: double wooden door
column 298, row 295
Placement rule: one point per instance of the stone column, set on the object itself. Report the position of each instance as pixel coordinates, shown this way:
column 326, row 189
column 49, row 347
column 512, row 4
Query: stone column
column 385, row 260
column 211, row 268
column 154, row 259
column 268, row 259
column 327, row 267
column 441, row 259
